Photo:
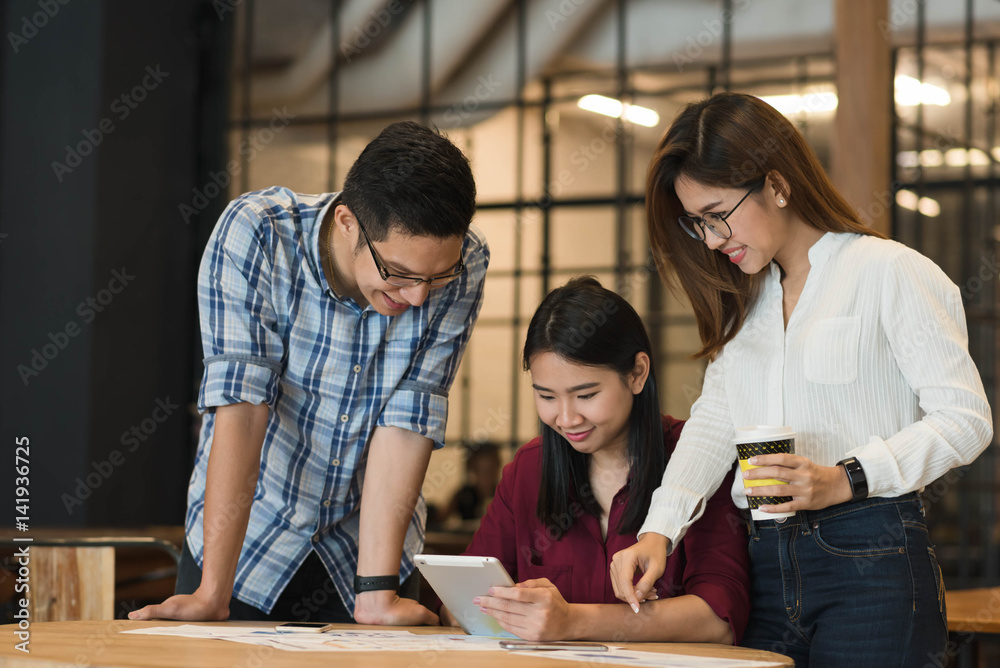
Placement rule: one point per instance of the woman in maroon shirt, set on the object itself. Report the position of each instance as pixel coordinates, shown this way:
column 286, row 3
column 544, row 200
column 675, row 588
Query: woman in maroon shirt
column 579, row 493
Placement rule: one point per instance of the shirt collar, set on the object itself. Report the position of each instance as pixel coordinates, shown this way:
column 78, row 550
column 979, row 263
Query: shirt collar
column 313, row 236
column 821, row 251
column 825, row 247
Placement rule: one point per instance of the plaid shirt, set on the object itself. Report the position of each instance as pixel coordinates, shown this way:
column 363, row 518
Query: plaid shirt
column 330, row 371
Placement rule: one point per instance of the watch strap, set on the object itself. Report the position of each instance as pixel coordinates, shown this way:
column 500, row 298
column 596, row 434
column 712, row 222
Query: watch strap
column 375, row 583
column 856, row 477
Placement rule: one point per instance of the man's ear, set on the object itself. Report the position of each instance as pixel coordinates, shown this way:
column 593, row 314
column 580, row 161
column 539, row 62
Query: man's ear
column 639, row 374
column 344, row 219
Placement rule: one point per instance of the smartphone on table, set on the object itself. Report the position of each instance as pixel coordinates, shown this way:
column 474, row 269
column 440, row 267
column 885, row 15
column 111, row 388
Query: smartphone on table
column 303, row 627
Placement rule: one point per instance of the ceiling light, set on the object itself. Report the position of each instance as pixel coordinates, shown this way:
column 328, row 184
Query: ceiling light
column 925, row 205
column 929, row 207
column 953, row 157
column 641, row 116
column 959, row 157
column 910, row 92
column 609, row 106
column 818, row 102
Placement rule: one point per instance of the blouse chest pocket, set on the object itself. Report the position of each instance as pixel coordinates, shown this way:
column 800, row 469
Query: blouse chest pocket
column 831, row 351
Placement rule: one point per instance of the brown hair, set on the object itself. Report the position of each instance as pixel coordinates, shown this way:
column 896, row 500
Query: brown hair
column 731, row 140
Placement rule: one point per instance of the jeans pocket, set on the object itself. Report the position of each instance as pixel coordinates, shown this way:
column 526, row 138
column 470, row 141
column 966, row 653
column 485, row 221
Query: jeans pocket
column 938, row 581
column 865, row 533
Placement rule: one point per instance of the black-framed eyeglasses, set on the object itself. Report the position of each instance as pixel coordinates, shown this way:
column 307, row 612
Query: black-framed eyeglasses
column 408, row 281
column 717, row 223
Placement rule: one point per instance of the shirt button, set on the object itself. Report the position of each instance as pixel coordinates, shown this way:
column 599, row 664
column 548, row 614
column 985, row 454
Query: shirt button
column 335, row 462
column 327, row 503
column 344, row 418
column 364, row 316
column 357, row 368
column 315, row 538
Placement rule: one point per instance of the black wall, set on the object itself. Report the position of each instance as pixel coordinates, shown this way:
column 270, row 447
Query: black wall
column 104, row 226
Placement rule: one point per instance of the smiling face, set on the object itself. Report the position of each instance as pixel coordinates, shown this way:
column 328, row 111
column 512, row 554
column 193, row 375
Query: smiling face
column 421, row 256
column 758, row 233
column 588, row 406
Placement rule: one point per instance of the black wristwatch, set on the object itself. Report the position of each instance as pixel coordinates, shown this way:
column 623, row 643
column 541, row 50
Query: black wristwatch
column 856, row 476
column 375, row 583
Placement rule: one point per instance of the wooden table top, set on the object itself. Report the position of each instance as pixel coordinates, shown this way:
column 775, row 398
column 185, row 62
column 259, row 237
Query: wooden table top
column 974, row 610
column 102, row 644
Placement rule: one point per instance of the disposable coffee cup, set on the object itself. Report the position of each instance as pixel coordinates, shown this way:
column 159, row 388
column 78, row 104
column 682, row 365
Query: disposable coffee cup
column 763, row 440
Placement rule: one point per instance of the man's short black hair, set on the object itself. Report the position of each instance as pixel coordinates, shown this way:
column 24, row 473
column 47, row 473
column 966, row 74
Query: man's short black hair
column 413, row 180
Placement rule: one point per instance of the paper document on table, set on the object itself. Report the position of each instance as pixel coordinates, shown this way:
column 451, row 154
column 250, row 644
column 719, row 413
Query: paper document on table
column 199, row 631
column 626, row 657
column 346, row 640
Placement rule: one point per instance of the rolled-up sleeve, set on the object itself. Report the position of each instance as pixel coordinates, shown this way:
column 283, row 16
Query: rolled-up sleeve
column 243, row 350
column 919, row 301
column 698, row 464
column 420, row 400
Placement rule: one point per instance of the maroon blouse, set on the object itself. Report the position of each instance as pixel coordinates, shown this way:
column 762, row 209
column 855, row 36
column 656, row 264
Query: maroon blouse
column 711, row 561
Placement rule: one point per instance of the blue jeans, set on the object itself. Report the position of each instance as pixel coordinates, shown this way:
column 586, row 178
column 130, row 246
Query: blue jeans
column 850, row 586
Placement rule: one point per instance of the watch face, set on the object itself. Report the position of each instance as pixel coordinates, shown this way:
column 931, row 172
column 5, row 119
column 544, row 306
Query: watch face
column 857, row 479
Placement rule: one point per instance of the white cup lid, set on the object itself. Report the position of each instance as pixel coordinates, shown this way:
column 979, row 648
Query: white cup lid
column 762, row 432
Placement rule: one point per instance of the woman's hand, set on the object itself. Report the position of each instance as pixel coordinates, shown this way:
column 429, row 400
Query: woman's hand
column 649, row 555
column 811, row 486
column 533, row 610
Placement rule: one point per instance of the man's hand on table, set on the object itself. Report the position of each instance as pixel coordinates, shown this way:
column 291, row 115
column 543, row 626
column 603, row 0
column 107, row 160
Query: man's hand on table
column 186, row 607
column 447, row 619
column 387, row 608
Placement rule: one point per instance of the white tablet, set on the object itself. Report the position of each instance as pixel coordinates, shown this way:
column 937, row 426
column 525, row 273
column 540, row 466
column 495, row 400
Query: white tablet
column 458, row 580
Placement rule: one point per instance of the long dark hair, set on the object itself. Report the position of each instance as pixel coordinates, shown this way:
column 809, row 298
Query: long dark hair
column 585, row 323
column 731, row 140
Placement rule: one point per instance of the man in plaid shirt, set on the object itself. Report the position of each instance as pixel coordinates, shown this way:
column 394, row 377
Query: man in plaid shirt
column 332, row 326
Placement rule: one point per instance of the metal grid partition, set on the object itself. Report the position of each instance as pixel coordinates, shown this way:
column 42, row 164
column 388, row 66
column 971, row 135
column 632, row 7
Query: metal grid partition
column 947, row 187
column 561, row 194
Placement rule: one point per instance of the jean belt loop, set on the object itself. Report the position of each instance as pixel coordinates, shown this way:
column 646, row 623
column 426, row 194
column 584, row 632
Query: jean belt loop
column 805, row 521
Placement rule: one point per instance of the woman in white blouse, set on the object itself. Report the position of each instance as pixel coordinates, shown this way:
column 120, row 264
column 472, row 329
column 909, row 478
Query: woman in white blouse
column 858, row 343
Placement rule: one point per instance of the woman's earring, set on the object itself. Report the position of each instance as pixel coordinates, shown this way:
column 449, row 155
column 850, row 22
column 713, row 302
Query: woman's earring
column 781, row 202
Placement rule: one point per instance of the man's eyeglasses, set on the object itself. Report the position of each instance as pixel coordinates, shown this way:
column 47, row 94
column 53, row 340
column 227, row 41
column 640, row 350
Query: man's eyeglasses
column 717, row 223
column 408, row 281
